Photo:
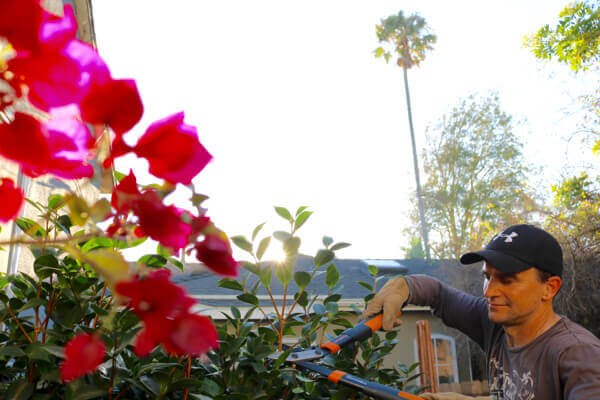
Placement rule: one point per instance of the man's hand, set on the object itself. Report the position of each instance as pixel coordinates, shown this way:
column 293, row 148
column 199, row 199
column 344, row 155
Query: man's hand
column 390, row 299
column 452, row 396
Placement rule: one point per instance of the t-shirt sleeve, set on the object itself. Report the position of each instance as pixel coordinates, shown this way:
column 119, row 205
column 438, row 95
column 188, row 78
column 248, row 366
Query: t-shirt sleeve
column 579, row 369
column 457, row 309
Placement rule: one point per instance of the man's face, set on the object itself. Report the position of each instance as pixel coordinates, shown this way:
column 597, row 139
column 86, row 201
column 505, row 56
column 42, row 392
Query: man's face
column 512, row 299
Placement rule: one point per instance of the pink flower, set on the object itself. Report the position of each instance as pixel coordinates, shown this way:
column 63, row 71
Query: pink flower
column 215, row 252
column 60, row 146
column 191, row 334
column 155, row 296
column 172, row 149
column 83, row 354
column 115, row 103
column 20, row 21
column 57, row 78
column 11, row 197
column 162, row 223
column 125, row 193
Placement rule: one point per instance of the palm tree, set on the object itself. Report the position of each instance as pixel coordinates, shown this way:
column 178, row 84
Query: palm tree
column 410, row 39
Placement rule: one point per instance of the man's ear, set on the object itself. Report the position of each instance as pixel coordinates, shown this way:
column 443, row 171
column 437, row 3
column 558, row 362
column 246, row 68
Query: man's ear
column 551, row 287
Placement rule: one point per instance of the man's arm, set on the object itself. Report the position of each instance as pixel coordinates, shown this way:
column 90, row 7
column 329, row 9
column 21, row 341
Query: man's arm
column 579, row 369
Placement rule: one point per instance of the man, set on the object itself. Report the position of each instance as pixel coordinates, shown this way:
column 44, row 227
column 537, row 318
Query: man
column 532, row 352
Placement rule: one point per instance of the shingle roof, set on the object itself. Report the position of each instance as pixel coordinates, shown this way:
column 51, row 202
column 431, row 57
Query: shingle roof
column 351, row 271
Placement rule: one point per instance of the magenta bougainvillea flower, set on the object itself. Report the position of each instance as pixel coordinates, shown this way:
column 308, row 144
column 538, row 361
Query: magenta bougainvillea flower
column 125, row 193
column 115, row 103
column 11, row 198
column 173, row 150
column 54, row 31
column 83, row 354
column 60, row 146
column 215, row 252
column 191, row 334
column 162, row 223
column 164, row 309
column 57, row 78
column 20, row 22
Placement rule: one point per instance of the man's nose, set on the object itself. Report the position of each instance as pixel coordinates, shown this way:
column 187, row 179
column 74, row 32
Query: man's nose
column 490, row 288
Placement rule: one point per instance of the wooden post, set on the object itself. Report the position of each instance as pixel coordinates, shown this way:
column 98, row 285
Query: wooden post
column 426, row 357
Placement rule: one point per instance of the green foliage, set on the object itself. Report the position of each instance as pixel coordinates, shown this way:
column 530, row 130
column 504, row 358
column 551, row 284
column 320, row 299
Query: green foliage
column 414, row 250
column 575, row 40
column 408, row 37
column 476, row 176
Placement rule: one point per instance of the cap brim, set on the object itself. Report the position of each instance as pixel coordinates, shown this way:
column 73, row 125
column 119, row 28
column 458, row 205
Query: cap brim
column 498, row 260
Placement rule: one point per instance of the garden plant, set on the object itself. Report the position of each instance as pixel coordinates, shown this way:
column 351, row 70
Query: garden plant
column 87, row 323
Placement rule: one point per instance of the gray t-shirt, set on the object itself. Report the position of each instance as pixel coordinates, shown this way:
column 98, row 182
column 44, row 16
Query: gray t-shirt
column 562, row 363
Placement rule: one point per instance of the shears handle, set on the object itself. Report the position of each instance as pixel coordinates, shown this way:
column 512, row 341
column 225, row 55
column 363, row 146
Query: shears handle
column 372, row 389
column 357, row 333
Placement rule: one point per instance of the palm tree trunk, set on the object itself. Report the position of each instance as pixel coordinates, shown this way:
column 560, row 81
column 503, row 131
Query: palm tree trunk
column 424, row 235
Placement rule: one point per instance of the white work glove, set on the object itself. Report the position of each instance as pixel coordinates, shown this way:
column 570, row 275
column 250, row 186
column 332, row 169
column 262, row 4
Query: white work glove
column 390, row 299
column 451, row 396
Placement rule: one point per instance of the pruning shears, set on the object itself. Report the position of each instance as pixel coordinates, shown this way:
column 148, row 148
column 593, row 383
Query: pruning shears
column 304, row 357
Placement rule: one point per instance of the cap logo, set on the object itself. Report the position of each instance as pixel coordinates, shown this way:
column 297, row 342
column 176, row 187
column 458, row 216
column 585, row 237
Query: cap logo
column 508, row 238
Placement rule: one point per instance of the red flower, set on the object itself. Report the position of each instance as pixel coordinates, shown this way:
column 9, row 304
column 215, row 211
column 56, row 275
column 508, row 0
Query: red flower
column 191, row 334
column 125, row 193
column 162, row 223
column 116, row 103
column 11, row 197
column 215, row 252
column 20, row 21
column 155, row 296
column 60, row 146
column 83, row 354
column 60, row 77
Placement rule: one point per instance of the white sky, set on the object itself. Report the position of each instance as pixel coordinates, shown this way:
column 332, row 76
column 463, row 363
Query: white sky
column 289, row 99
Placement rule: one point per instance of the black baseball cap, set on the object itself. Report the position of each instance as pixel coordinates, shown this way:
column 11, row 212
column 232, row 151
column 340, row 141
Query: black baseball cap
column 518, row 248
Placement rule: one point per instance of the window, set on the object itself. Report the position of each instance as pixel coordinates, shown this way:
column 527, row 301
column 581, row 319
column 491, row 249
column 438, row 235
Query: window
column 444, row 349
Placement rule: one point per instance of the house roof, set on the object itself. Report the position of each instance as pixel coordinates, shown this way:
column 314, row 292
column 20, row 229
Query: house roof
column 203, row 284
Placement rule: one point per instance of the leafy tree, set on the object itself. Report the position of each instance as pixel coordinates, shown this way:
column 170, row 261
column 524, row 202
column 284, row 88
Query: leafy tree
column 575, row 222
column 475, row 176
column 414, row 250
column 575, row 40
column 410, row 39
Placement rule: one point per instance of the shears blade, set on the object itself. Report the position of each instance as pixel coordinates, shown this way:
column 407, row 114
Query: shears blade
column 303, row 355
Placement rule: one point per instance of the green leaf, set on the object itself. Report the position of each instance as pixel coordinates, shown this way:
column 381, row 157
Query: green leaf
column 242, row 243
column 332, row 308
column 11, row 351
column 152, row 261
column 300, row 209
column 248, row 298
column 150, row 384
column 372, row 270
column 379, row 52
column 365, row 285
column 251, row 267
column 30, row 227
column 256, row 230
column 64, row 223
column 332, row 277
column 235, row 312
column 211, row 388
column 319, row 308
column 281, row 235
column 301, row 219
column 339, row 246
column 54, row 200
column 302, row 279
column 291, row 246
column 119, row 175
column 284, row 213
column 177, row 263
column 162, row 251
column 19, row 390
column 157, row 366
column 100, row 210
column 262, row 247
column 230, row 284
column 327, row 241
column 45, row 265
column 97, row 243
column 265, row 275
column 53, row 349
column 323, row 257
column 35, row 351
column 88, row 392
column 283, row 271
column 32, row 303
